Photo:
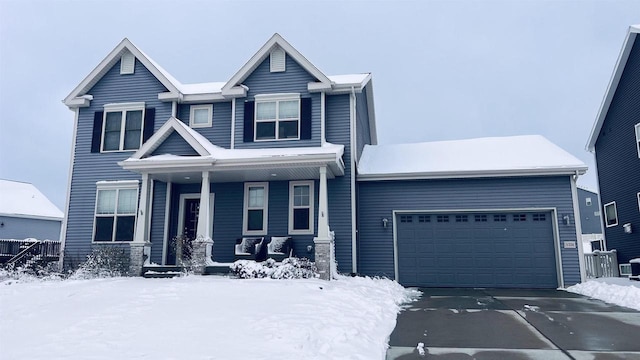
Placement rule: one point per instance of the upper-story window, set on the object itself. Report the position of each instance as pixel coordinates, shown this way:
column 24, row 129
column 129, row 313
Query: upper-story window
column 277, row 117
column 610, row 214
column 201, row 116
column 638, row 138
column 122, row 127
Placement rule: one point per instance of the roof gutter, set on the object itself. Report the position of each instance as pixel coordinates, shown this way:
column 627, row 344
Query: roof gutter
column 472, row 174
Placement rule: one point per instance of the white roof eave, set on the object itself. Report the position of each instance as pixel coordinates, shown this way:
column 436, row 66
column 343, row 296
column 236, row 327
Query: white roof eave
column 580, row 170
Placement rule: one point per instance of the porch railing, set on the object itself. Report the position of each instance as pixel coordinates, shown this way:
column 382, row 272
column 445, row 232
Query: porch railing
column 20, row 252
column 601, row 264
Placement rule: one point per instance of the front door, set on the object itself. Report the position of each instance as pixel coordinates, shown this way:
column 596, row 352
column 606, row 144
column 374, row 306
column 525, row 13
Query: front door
column 190, row 216
column 187, row 224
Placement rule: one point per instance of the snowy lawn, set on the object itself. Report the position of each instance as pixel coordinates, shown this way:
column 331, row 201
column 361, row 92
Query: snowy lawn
column 619, row 291
column 199, row 317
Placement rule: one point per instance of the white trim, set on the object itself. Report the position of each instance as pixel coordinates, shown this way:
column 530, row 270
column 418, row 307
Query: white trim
column 310, row 184
column 174, row 108
column 173, row 124
column 353, row 151
column 612, row 86
column 638, row 201
column 117, row 186
column 35, row 217
column 233, row 123
column 277, row 66
column 261, row 55
column 471, row 174
column 373, row 132
column 637, row 135
column 167, row 214
column 127, row 63
column 554, row 215
column 192, row 111
column 323, row 135
column 194, row 196
column 265, row 209
column 277, row 99
column 606, row 217
column 578, row 226
column 150, row 209
column 65, row 220
column 123, row 109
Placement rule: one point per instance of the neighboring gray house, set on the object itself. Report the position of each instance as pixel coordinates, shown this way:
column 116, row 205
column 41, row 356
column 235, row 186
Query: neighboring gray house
column 283, row 149
column 590, row 220
column 26, row 213
column 615, row 142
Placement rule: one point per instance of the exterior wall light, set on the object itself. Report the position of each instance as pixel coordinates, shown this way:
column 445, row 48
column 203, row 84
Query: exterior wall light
column 385, row 222
column 566, row 220
column 627, row 228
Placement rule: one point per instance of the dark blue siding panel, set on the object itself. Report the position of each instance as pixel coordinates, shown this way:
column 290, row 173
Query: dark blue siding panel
column 88, row 168
column 363, row 131
column 220, row 131
column 22, row 228
column 618, row 162
column 175, row 145
column 339, row 189
column 378, row 199
column 293, row 80
column 590, row 220
column 157, row 221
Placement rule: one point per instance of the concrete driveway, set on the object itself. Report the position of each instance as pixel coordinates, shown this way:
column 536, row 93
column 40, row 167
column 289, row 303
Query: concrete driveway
column 514, row 324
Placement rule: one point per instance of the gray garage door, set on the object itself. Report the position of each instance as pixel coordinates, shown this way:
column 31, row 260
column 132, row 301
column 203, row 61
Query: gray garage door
column 501, row 249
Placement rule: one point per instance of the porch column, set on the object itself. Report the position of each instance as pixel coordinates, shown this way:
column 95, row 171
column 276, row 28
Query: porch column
column 324, row 241
column 140, row 247
column 202, row 245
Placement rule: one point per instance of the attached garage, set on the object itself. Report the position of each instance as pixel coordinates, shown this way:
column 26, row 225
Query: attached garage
column 487, row 213
column 476, row 249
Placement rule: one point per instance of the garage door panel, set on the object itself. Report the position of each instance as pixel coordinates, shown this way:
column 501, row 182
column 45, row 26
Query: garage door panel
column 477, row 250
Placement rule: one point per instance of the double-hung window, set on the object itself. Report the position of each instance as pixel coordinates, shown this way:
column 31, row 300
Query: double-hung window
column 301, row 207
column 255, row 217
column 277, row 117
column 122, row 127
column 610, row 214
column 115, row 213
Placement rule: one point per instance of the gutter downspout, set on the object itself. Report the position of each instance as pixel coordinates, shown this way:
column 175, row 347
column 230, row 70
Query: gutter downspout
column 353, row 150
column 578, row 225
column 174, row 109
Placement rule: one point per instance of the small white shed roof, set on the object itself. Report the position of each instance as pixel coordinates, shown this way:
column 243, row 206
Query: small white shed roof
column 21, row 199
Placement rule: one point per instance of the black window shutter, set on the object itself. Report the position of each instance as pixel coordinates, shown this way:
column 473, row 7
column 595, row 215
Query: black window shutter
column 305, row 118
column 97, row 131
column 149, row 123
column 248, row 121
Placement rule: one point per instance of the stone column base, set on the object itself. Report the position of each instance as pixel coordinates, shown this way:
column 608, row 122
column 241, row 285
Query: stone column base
column 137, row 258
column 323, row 257
column 201, row 254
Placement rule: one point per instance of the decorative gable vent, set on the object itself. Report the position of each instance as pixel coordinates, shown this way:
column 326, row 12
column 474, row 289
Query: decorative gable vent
column 127, row 63
column 277, row 60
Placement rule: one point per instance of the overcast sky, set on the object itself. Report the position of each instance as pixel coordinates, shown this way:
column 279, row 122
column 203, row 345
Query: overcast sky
column 442, row 70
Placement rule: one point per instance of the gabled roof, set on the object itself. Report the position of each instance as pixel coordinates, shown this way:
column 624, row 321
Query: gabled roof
column 107, row 63
column 258, row 58
column 198, row 142
column 484, row 157
column 21, row 199
column 613, row 85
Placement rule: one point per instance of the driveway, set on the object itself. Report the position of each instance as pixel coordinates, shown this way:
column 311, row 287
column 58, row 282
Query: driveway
column 514, row 324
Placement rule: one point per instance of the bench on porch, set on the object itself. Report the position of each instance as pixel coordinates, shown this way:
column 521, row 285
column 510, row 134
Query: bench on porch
column 277, row 248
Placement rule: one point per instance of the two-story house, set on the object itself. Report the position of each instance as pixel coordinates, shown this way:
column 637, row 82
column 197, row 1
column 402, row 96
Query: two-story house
column 590, row 220
column 281, row 149
column 615, row 141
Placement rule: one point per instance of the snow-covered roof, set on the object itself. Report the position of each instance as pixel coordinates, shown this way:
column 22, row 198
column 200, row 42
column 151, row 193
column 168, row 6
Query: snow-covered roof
column 349, row 79
column 613, row 85
column 483, row 157
column 22, row 199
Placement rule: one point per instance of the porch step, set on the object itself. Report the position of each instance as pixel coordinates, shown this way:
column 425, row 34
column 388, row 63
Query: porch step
column 217, row 270
column 156, row 272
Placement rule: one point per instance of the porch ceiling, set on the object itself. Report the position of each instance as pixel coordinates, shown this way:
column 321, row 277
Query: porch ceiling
column 242, row 175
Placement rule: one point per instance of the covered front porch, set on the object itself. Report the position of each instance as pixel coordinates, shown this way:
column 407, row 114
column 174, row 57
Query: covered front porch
column 219, row 195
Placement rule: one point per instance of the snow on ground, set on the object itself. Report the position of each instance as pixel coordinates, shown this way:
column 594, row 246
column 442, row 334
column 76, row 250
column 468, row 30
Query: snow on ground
column 619, row 291
column 199, row 317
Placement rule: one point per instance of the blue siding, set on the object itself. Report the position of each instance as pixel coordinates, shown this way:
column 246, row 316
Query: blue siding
column 157, row 220
column 175, row 145
column 220, row 131
column 88, row 168
column 618, row 162
column 363, row 131
column 22, row 228
column 378, row 199
column 590, row 223
column 339, row 189
column 293, row 80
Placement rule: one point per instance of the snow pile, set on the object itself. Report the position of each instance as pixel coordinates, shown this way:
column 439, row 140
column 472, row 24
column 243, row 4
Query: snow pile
column 619, row 291
column 200, row 317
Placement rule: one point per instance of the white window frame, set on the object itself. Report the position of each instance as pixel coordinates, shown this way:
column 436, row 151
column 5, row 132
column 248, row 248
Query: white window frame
column 277, row 98
column 115, row 185
column 637, row 133
column 123, row 108
column 192, row 117
column 606, row 217
column 246, row 208
column 292, row 185
column 588, row 201
column 638, row 201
